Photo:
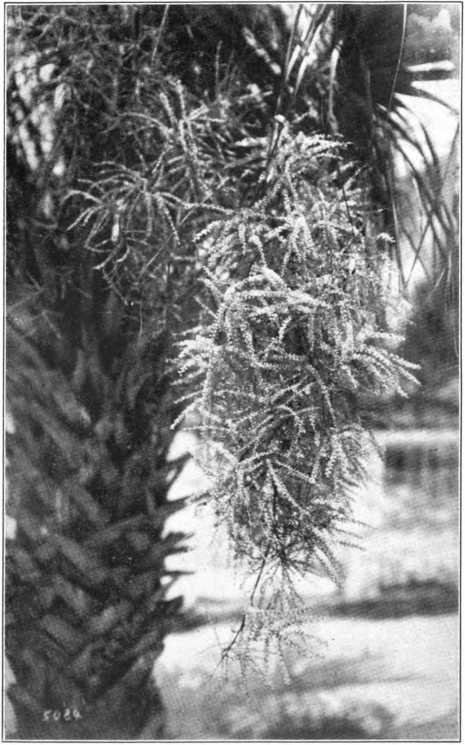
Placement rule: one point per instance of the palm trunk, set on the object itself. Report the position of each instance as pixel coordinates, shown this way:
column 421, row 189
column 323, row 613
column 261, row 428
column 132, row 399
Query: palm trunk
column 85, row 582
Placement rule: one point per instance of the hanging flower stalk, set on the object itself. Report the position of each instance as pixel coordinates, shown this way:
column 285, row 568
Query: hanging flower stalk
column 293, row 343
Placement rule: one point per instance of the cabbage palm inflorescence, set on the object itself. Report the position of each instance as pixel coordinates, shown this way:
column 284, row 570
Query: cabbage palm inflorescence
column 184, row 230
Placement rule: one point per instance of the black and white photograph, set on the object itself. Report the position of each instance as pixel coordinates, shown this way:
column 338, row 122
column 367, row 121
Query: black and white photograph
column 231, row 371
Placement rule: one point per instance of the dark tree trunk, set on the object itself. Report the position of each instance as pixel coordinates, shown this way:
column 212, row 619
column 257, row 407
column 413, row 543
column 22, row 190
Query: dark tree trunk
column 86, row 582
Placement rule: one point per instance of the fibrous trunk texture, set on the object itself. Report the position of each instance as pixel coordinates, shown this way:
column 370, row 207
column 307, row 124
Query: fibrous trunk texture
column 85, row 577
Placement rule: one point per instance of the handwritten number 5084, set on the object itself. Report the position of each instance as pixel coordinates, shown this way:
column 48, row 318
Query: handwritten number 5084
column 56, row 715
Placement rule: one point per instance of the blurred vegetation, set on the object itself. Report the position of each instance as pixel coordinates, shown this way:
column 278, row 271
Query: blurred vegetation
column 433, row 33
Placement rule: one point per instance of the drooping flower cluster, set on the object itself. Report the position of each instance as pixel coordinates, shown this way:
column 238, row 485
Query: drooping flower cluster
column 293, row 339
